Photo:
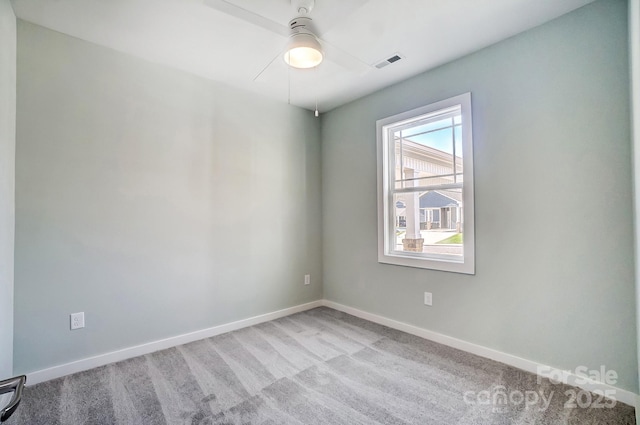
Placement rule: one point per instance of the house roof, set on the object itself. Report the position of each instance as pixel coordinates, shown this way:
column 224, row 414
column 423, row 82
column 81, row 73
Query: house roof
column 440, row 198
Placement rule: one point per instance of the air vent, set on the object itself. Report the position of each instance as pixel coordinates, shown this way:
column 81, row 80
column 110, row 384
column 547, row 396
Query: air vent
column 389, row 61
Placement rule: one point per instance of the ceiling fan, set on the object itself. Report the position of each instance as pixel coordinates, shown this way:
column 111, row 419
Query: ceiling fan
column 304, row 48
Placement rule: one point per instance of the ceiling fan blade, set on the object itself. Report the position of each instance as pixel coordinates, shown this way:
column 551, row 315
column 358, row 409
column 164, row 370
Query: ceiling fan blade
column 268, row 65
column 248, row 16
column 344, row 59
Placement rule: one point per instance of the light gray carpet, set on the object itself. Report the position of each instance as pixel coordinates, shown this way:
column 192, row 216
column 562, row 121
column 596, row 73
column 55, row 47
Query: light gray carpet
column 317, row 367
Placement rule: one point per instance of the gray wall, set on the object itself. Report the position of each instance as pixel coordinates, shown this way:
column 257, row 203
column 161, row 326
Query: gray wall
column 554, row 276
column 7, row 181
column 156, row 202
column 634, row 51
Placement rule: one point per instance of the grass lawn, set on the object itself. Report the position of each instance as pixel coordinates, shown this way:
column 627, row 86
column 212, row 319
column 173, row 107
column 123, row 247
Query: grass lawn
column 455, row 239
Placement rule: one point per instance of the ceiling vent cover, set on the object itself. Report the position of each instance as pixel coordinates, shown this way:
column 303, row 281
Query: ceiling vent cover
column 389, row 61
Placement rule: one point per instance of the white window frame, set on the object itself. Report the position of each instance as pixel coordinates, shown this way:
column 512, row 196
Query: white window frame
column 387, row 255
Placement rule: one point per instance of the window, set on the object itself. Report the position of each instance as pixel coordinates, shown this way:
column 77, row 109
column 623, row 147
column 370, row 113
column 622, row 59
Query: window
column 425, row 187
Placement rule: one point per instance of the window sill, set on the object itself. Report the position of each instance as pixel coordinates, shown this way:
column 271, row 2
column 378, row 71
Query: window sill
column 445, row 265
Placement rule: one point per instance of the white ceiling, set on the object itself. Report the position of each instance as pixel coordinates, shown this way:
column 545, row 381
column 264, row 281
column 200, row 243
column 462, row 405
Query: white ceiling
column 193, row 36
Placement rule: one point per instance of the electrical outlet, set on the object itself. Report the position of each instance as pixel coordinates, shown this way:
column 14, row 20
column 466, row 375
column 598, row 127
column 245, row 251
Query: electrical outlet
column 77, row 320
column 428, row 298
column 307, row 279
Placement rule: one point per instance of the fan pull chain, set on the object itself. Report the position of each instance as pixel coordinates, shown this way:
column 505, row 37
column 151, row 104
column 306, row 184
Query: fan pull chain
column 316, row 113
column 289, row 80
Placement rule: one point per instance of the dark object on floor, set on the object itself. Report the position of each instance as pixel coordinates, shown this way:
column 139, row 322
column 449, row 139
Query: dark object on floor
column 14, row 385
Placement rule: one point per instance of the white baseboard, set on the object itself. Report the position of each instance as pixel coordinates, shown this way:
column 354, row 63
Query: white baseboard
column 572, row 379
column 138, row 350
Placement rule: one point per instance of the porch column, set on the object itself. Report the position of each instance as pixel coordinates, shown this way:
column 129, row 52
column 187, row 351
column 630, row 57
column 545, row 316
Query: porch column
column 413, row 240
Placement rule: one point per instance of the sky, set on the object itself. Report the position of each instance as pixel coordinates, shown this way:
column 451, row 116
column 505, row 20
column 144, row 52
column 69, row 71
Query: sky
column 440, row 136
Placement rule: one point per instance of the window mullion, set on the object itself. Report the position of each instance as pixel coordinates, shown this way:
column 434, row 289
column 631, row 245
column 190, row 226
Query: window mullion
column 453, row 138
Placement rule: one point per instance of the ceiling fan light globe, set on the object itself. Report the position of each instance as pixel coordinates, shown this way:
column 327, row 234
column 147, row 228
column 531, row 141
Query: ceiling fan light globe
column 303, row 51
column 303, row 57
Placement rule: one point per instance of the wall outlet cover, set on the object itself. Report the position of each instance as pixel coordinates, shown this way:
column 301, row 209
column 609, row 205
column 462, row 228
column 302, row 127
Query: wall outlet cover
column 77, row 320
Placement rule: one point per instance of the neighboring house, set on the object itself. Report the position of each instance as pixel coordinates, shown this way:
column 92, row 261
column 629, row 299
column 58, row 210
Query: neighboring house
column 439, row 208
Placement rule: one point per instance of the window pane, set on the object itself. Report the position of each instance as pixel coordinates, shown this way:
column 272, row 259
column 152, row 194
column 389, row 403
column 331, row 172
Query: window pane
column 441, row 139
column 428, row 222
column 426, row 127
column 425, row 154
